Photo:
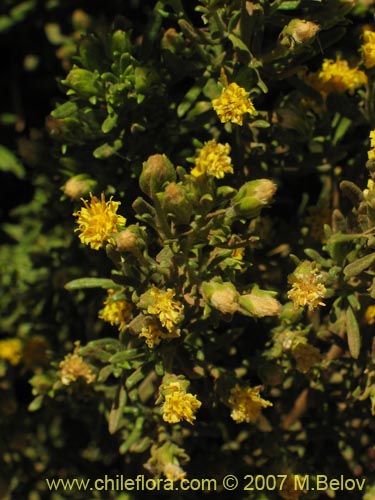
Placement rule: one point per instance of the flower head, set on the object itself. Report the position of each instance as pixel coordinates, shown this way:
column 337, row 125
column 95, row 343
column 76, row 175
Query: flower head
column 368, row 49
column 213, row 160
column 233, row 104
column 163, row 306
column 166, row 460
column 97, row 220
column 307, row 287
column 73, row 367
column 246, row 404
column 179, row 404
column 153, row 335
column 11, row 350
column 115, row 312
column 335, row 76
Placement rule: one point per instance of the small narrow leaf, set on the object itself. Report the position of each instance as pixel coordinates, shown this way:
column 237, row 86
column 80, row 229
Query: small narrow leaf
column 352, row 328
column 359, row 265
column 80, row 283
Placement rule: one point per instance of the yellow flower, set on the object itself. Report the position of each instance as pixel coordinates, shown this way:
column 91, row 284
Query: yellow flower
column 98, row 220
column 74, row 367
column 169, row 311
column 11, row 350
column 165, row 459
column 369, row 317
column 213, row 160
column 179, row 404
column 335, row 76
column 246, row 404
column 115, row 312
column 338, row 76
column 233, row 103
column 372, row 138
column 152, row 335
column 307, row 289
column 371, row 154
column 368, row 49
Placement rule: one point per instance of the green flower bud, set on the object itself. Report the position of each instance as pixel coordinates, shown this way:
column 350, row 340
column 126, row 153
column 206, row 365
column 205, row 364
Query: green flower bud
column 78, row 186
column 251, row 198
column 131, row 239
column 120, row 42
column 259, row 303
column 221, row 296
column 157, row 170
column 172, row 41
column 66, row 130
column 83, row 82
column 298, row 31
column 174, row 201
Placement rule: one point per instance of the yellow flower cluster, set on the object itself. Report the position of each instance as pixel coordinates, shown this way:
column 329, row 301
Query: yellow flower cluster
column 368, row 49
column 11, row 350
column 179, row 404
column 153, row 335
column 246, row 404
column 307, row 289
column 233, row 104
column 213, row 160
column 115, row 312
column 371, row 153
column 97, row 220
column 335, row 76
column 163, row 306
column 73, row 367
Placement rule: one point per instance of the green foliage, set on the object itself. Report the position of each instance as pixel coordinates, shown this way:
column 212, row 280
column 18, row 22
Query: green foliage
column 235, row 139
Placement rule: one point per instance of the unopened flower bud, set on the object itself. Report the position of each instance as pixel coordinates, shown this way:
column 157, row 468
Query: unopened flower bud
column 130, row 239
column 221, row 296
column 84, row 82
column 298, row 31
column 252, row 197
column 172, row 40
column 120, row 42
column 157, row 170
column 174, row 201
column 259, row 303
column 78, row 186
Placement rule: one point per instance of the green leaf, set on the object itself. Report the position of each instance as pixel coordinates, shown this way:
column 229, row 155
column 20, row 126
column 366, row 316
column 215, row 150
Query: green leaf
column 106, row 150
column 10, row 163
column 188, row 100
column 359, row 265
column 352, row 328
column 65, row 110
column 116, row 412
column 125, row 355
column 80, row 283
column 109, row 123
column 36, row 403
